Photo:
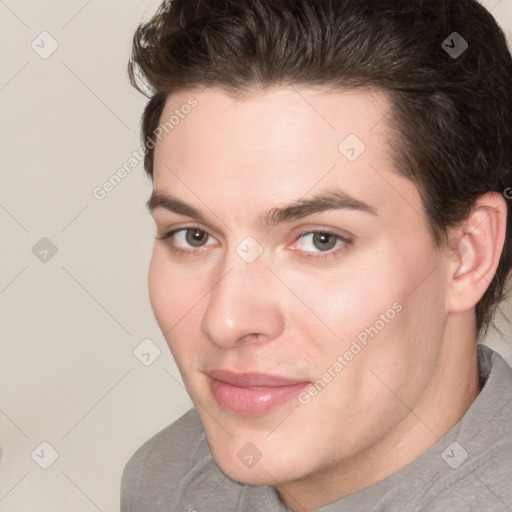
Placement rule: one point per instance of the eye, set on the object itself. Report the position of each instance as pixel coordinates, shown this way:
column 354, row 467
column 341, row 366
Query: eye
column 319, row 240
column 321, row 244
column 194, row 237
column 186, row 240
column 312, row 244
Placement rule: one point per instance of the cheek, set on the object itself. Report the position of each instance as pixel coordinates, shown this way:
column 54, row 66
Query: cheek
column 173, row 293
column 388, row 335
column 175, row 298
column 160, row 284
column 341, row 303
column 387, row 301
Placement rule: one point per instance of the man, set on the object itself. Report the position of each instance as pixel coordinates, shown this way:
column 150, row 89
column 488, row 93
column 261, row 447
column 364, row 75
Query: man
column 332, row 243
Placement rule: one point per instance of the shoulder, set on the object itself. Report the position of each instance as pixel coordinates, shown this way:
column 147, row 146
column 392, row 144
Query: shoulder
column 159, row 465
column 482, row 483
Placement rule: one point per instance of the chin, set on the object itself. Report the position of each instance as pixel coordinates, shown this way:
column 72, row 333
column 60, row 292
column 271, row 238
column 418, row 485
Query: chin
column 266, row 471
column 259, row 475
column 249, row 477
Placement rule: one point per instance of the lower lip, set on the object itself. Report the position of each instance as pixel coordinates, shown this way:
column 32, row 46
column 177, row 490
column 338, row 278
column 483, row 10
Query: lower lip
column 255, row 401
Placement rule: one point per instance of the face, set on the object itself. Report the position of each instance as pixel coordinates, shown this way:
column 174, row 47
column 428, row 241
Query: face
column 298, row 287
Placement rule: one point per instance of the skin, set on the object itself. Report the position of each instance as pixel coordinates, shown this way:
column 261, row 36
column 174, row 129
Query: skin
column 292, row 316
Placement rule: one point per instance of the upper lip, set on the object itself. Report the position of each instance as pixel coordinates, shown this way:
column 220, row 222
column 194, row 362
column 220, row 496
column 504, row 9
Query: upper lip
column 252, row 379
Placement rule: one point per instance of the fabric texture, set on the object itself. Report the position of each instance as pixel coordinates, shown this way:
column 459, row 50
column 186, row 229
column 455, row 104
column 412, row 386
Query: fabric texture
column 468, row 469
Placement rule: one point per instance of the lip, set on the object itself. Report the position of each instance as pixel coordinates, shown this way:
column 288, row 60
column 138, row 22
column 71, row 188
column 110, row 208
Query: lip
column 251, row 393
column 251, row 379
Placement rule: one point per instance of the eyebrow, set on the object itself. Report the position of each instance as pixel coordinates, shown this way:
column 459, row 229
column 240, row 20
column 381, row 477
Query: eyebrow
column 303, row 207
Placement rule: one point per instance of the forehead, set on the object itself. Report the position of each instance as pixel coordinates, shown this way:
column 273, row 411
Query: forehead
column 280, row 145
column 280, row 118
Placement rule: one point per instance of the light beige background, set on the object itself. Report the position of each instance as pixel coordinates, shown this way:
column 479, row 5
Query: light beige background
column 69, row 326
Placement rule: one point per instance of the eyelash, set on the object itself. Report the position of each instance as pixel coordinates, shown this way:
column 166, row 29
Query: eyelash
column 323, row 255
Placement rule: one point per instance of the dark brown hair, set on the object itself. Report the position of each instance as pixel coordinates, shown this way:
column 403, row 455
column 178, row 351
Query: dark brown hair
column 452, row 113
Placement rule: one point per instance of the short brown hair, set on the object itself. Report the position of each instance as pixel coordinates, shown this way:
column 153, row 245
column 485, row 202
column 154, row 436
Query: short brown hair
column 453, row 114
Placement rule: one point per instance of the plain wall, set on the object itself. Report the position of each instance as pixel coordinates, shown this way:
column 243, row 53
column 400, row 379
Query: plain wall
column 69, row 324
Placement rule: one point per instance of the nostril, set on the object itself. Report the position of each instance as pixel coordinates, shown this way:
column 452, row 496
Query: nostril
column 249, row 337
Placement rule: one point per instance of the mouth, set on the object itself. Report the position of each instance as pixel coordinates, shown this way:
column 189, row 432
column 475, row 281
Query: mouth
column 252, row 394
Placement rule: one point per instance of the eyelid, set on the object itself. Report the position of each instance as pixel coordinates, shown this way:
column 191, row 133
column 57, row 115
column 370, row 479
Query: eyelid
column 323, row 232
column 305, row 229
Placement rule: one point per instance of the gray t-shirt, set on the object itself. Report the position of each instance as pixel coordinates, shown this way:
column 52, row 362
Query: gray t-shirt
column 469, row 469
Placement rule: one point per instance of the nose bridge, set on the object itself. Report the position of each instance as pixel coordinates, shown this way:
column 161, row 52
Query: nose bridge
column 240, row 302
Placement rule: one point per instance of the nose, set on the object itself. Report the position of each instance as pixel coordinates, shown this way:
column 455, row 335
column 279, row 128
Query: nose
column 242, row 305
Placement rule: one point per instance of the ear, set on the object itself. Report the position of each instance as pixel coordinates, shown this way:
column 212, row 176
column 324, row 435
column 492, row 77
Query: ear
column 475, row 250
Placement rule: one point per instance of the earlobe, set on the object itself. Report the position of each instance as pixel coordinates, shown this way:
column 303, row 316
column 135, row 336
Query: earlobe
column 477, row 249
